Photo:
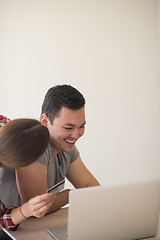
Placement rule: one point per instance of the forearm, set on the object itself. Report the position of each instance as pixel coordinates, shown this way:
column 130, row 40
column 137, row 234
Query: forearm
column 93, row 183
column 61, row 200
column 80, row 176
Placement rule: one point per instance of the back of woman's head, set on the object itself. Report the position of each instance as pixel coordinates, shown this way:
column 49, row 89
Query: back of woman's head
column 22, row 141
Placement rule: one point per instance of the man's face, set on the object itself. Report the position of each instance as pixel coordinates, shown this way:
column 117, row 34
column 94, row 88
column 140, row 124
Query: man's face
column 66, row 129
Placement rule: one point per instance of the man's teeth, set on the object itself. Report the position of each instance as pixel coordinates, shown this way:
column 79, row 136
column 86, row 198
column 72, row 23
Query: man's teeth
column 69, row 141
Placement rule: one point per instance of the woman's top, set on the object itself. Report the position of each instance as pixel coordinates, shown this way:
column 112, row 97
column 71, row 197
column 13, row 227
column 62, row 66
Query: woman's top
column 5, row 218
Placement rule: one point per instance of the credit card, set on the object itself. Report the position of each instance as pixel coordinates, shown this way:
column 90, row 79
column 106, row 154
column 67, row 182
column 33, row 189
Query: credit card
column 57, row 187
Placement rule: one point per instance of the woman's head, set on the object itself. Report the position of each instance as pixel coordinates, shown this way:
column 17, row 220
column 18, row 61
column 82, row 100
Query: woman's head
column 22, row 141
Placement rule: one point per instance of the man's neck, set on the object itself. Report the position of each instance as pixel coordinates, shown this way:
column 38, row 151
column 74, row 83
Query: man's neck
column 55, row 150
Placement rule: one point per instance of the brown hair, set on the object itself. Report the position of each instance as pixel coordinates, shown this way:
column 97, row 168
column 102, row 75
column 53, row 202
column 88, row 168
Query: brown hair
column 22, row 141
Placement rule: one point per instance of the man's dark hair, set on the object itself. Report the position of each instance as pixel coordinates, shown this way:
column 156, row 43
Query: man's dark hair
column 61, row 96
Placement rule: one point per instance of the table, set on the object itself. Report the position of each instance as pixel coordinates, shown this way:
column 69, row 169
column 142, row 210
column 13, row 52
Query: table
column 36, row 229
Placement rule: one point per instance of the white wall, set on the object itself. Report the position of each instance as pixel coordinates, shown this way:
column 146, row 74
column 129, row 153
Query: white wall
column 159, row 22
column 108, row 49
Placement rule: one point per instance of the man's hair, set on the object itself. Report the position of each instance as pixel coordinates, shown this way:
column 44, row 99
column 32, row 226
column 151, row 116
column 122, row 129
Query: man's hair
column 22, row 141
column 61, row 96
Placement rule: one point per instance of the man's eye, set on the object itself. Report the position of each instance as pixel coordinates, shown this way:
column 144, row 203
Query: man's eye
column 82, row 126
column 68, row 128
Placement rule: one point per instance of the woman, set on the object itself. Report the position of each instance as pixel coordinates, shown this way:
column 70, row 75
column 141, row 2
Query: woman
column 22, row 141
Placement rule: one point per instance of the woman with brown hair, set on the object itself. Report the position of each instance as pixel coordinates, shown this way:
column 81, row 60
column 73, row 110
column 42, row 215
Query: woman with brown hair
column 22, row 141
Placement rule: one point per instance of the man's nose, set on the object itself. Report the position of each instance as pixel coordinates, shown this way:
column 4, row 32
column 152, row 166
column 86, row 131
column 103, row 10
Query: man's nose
column 76, row 133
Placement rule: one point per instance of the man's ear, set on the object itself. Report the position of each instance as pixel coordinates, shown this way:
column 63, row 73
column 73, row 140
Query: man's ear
column 44, row 120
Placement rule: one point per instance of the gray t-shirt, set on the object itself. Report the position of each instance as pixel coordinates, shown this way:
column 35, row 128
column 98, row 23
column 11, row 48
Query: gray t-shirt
column 8, row 189
column 55, row 172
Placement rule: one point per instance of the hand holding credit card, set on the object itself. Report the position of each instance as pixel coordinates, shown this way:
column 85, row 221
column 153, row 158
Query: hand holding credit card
column 57, row 187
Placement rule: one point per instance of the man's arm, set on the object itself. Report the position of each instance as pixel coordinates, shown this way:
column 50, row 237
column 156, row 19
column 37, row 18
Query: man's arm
column 80, row 176
column 32, row 181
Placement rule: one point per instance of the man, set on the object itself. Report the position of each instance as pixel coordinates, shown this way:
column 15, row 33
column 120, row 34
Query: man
column 63, row 114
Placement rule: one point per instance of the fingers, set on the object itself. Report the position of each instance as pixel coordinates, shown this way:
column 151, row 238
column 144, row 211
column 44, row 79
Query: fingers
column 42, row 210
column 40, row 204
column 43, row 199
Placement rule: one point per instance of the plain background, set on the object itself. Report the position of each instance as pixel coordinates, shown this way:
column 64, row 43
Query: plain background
column 107, row 49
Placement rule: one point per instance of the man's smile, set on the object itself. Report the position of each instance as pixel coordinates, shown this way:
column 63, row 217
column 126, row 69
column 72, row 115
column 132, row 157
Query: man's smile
column 70, row 141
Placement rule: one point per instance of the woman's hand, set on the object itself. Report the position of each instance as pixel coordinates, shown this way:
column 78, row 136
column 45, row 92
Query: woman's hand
column 38, row 206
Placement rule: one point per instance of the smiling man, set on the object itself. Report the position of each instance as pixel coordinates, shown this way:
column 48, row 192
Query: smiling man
column 63, row 113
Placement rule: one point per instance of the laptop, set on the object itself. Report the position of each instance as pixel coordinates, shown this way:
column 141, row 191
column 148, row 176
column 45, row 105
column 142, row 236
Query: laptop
column 5, row 235
column 120, row 212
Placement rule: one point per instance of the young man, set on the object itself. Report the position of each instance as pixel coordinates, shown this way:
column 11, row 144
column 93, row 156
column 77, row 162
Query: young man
column 63, row 113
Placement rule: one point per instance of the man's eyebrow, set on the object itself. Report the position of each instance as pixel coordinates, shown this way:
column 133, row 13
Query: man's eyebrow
column 72, row 125
column 69, row 124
